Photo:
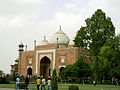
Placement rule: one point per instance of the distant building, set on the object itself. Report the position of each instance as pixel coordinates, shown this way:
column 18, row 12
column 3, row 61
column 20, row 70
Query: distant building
column 14, row 68
column 55, row 54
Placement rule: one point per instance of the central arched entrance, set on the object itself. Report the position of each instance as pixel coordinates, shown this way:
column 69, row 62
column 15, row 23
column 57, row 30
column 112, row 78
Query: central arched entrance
column 29, row 71
column 45, row 69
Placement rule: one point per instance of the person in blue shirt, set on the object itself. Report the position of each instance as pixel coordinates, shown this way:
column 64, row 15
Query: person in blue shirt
column 17, row 83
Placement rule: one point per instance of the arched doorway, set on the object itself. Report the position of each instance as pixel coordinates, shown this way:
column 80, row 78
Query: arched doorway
column 61, row 69
column 45, row 69
column 29, row 71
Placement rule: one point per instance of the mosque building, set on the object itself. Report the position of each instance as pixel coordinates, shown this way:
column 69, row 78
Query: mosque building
column 55, row 54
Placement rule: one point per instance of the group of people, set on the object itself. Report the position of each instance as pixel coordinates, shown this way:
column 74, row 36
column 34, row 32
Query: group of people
column 43, row 83
column 38, row 83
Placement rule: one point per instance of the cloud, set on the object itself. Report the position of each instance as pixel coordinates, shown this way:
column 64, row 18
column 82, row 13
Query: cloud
column 29, row 20
column 11, row 8
column 31, row 1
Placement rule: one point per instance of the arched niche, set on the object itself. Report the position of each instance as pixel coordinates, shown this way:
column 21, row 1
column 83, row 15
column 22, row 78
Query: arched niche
column 29, row 71
column 61, row 69
column 45, row 69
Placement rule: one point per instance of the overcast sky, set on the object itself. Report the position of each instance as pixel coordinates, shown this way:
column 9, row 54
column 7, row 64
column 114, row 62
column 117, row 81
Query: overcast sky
column 29, row 20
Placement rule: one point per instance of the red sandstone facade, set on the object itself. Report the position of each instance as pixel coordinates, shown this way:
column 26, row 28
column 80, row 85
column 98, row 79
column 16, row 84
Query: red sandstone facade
column 44, row 59
column 55, row 54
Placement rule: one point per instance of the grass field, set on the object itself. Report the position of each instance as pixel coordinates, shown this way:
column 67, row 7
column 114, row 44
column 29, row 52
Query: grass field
column 65, row 87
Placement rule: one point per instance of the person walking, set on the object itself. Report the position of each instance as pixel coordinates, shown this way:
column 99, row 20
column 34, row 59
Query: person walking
column 38, row 81
column 49, row 83
column 17, row 83
column 43, row 84
column 94, row 83
column 26, row 83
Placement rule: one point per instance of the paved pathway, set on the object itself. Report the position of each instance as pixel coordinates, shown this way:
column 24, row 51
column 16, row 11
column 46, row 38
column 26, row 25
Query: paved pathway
column 9, row 89
column 6, row 89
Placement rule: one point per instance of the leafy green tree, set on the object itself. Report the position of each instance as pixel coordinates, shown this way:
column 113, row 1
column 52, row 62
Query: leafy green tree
column 1, row 72
column 78, row 70
column 105, row 57
column 82, row 67
column 67, row 72
column 82, row 38
column 14, row 76
column 98, row 30
column 54, row 85
column 115, row 60
column 109, row 61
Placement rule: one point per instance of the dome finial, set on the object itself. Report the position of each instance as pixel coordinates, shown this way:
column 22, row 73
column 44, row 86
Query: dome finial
column 21, row 42
column 60, row 27
column 44, row 41
column 44, row 37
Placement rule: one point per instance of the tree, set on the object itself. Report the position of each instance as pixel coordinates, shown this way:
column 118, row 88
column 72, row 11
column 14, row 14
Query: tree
column 14, row 76
column 54, row 85
column 98, row 30
column 82, row 67
column 78, row 70
column 109, row 61
column 67, row 72
column 1, row 72
column 81, row 38
column 115, row 60
column 105, row 57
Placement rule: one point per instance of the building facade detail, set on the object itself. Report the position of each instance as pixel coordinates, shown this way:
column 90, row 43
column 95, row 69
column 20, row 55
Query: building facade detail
column 55, row 54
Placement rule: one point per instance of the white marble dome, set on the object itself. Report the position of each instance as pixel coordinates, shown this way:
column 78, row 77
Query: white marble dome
column 44, row 41
column 59, row 37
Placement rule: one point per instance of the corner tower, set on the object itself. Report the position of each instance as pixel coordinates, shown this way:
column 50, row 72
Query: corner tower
column 21, row 46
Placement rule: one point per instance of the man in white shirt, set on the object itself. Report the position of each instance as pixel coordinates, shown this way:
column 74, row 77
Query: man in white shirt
column 43, row 84
column 49, row 83
column 17, row 83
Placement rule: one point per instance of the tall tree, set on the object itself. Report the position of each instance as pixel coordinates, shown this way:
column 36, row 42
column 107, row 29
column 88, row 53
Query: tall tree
column 81, row 67
column 94, row 35
column 98, row 30
column 105, row 57
column 82, row 37
column 109, row 58
column 78, row 70
column 54, row 85
column 13, row 76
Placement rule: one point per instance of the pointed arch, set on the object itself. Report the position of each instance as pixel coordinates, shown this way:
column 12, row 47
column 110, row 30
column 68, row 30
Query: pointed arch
column 45, row 66
column 61, row 69
column 29, row 71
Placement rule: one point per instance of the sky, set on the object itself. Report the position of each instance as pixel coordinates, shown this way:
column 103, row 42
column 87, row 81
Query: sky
column 29, row 20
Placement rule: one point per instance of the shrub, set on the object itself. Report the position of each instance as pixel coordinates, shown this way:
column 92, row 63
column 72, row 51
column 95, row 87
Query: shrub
column 54, row 85
column 4, row 80
column 22, row 86
column 14, row 76
column 0, row 80
column 73, row 87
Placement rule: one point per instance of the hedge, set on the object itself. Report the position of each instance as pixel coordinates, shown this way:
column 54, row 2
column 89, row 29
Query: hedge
column 73, row 87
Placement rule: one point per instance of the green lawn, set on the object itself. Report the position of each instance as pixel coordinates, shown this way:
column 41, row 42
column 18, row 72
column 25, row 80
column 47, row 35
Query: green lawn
column 90, row 87
column 65, row 87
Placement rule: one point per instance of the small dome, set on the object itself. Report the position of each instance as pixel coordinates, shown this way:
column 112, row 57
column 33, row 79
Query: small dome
column 44, row 41
column 21, row 44
column 71, row 42
column 59, row 37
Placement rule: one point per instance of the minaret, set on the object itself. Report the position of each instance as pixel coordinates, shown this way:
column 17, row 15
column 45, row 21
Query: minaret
column 34, row 44
column 21, row 46
column 25, row 47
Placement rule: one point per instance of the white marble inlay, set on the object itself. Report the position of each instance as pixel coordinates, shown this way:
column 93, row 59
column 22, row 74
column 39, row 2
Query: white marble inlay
column 43, row 55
